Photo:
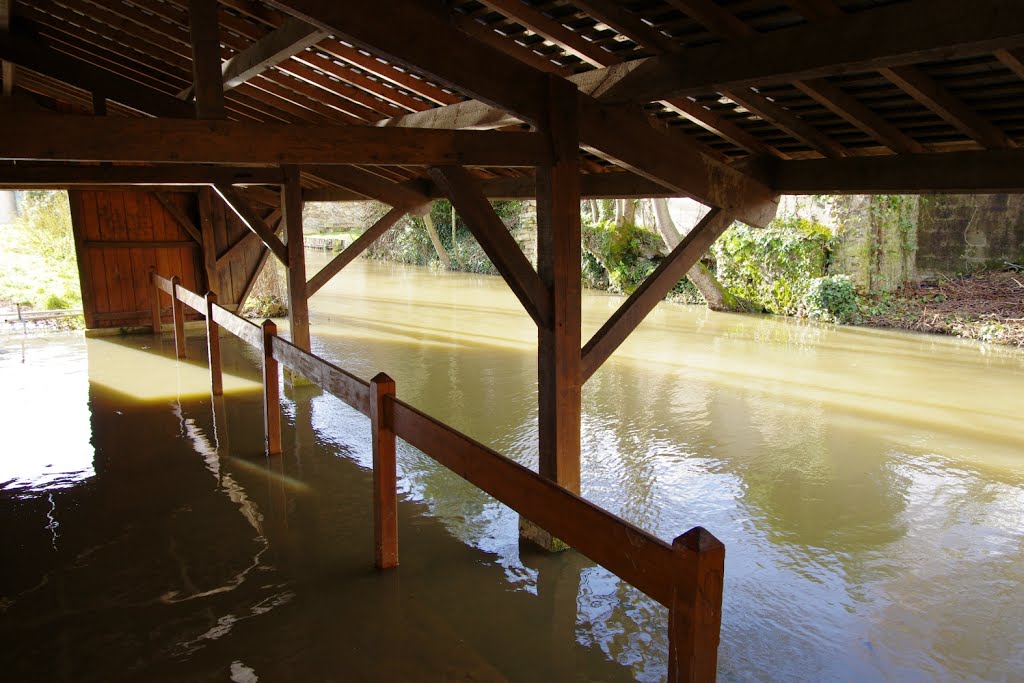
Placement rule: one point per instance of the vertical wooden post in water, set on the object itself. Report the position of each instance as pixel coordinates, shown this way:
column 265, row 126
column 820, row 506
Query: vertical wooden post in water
column 155, row 303
column 559, row 380
column 695, row 615
column 213, row 346
column 291, row 209
column 271, row 391
column 385, row 475
column 178, row 309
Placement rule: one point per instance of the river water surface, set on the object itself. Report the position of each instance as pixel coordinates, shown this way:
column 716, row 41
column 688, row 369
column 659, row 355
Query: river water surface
column 868, row 487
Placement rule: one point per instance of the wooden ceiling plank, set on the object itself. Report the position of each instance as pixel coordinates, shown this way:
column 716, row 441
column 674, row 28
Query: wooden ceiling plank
column 896, row 35
column 846, row 106
column 785, row 119
column 933, row 95
column 63, row 67
column 372, row 187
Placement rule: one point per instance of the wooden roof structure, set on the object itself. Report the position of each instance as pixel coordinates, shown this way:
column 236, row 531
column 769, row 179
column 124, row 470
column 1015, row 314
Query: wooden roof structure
column 676, row 96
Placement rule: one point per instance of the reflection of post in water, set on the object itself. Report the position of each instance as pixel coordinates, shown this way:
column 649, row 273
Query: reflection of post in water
column 558, row 586
column 277, row 518
column 221, row 434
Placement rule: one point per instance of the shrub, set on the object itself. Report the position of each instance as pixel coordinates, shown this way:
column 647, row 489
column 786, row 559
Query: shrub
column 832, row 298
column 774, row 266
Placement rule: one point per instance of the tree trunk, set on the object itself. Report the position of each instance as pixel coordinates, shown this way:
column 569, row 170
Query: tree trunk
column 607, row 210
column 436, row 240
column 628, row 212
column 717, row 297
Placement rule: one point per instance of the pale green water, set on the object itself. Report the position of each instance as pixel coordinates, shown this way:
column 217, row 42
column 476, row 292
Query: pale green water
column 869, row 488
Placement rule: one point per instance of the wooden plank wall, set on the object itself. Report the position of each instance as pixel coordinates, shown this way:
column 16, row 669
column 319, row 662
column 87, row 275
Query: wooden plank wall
column 234, row 273
column 121, row 236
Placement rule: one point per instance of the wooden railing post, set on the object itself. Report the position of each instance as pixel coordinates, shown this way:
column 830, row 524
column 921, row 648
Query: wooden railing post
column 271, row 390
column 179, row 317
column 213, row 346
column 695, row 614
column 385, row 493
column 155, row 303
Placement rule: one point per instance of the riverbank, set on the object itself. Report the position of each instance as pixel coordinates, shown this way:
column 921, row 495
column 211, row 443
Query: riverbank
column 987, row 307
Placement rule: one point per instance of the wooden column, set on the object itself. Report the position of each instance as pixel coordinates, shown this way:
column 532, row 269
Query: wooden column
column 6, row 67
column 271, row 391
column 206, row 65
column 209, row 242
column 298, row 306
column 385, row 477
column 695, row 614
column 558, row 264
column 179, row 318
column 154, row 301
column 213, row 347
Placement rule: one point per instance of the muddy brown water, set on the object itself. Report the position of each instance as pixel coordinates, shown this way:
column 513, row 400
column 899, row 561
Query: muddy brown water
column 868, row 485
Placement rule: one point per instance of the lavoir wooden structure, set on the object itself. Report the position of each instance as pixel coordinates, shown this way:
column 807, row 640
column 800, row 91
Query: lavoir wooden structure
column 190, row 132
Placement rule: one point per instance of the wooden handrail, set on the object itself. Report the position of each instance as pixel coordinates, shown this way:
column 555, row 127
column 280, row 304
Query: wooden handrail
column 332, row 379
column 685, row 576
column 633, row 554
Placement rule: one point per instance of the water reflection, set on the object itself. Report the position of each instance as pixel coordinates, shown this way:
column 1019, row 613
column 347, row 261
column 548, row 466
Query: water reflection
column 801, row 445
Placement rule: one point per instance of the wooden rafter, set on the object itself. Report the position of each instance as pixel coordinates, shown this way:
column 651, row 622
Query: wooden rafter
column 29, row 174
column 622, row 135
column 373, row 187
column 897, row 35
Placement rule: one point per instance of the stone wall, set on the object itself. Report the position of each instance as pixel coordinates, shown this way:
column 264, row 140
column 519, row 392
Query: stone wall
column 877, row 240
column 961, row 233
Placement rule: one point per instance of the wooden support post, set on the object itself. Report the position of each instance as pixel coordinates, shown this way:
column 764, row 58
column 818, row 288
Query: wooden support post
column 385, row 482
column 213, row 347
column 154, row 303
column 271, row 391
column 179, row 318
column 695, row 613
column 298, row 304
column 206, row 65
column 558, row 264
column 209, row 242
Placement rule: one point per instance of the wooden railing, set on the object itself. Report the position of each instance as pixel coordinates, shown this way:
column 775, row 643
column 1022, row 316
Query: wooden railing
column 686, row 576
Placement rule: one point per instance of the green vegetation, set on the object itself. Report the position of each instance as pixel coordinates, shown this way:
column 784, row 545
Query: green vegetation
column 774, row 267
column 832, row 298
column 37, row 266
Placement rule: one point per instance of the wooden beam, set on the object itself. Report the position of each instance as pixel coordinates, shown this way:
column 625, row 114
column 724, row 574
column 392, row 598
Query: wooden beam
column 787, row 121
column 361, row 244
column 209, row 242
column 183, row 220
column 80, row 74
column 394, row 31
column 372, row 186
column 897, row 35
column 950, row 108
column 253, row 221
column 293, row 37
column 652, row 290
column 81, row 138
column 496, row 241
column 559, row 380
column 592, row 186
column 298, row 299
column 840, row 103
column 245, row 241
column 204, row 32
column 6, row 67
column 949, row 172
column 29, row 174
